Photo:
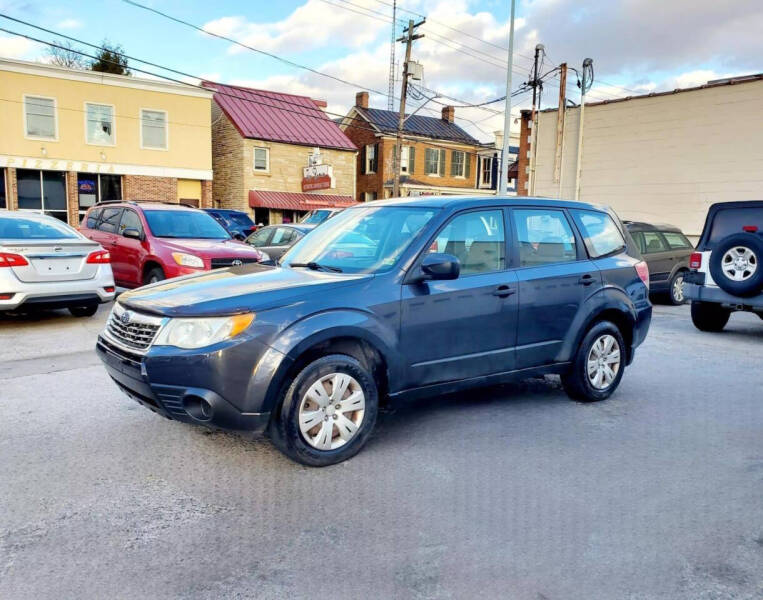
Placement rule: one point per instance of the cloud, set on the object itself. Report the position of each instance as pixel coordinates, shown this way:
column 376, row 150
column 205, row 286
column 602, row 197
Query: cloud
column 69, row 24
column 17, row 47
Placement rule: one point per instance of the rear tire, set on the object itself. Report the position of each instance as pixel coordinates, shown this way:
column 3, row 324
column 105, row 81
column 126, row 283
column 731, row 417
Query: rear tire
column 676, row 289
column 709, row 317
column 83, row 311
column 332, row 425
column 598, row 366
column 153, row 275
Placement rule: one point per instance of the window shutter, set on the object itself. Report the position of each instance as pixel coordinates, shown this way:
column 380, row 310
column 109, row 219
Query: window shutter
column 442, row 163
column 467, row 165
column 376, row 157
column 363, row 160
column 411, row 158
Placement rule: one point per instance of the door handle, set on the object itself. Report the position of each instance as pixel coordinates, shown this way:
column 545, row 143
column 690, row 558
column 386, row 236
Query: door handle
column 503, row 291
column 586, row 279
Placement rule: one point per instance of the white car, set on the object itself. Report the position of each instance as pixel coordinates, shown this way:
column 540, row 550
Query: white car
column 47, row 264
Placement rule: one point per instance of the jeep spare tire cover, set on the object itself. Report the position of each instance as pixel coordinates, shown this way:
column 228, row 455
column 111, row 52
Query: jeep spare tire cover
column 736, row 264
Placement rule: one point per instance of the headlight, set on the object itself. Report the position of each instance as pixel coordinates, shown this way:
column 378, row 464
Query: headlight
column 188, row 260
column 196, row 333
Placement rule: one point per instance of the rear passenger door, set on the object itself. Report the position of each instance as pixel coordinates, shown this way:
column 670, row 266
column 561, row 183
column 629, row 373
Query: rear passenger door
column 555, row 279
column 659, row 257
column 106, row 229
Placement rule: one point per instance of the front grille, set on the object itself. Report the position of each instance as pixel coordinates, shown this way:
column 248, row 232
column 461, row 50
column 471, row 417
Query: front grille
column 219, row 263
column 134, row 331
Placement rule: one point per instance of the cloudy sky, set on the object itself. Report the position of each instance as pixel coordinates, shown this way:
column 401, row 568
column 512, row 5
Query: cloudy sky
column 637, row 45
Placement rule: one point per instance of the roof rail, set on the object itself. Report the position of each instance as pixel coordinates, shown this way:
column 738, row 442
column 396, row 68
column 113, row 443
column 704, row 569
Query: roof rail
column 136, row 202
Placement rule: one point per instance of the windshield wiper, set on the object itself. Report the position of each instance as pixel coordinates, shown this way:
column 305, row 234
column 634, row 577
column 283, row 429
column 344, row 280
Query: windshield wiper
column 316, row 266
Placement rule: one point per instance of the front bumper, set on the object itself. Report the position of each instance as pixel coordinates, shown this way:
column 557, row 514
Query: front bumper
column 178, row 388
column 706, row 293
column 55, row 294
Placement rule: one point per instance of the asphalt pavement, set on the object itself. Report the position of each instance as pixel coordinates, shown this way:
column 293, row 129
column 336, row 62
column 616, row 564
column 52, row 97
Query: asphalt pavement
column 507, row 492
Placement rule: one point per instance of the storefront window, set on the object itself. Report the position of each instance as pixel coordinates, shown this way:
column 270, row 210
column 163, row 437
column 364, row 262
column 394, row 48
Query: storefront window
column 100, row 124
column 42, row 191
column 94, row 187
column 3, row 202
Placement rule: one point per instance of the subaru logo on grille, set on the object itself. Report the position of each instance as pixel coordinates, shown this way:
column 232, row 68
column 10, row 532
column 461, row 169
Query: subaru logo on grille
column 237, row 262
column 125, row 318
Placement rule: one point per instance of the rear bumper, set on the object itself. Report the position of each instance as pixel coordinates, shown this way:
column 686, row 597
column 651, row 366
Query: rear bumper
column 187, row 403
column 55, row 294
column 640, row 330
column 704, row 293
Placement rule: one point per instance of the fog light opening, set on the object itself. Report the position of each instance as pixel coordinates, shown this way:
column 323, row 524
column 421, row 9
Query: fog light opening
column 197, row 407
column 6, row 296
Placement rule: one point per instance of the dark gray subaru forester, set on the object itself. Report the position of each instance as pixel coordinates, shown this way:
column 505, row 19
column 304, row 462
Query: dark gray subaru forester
column 387, row 299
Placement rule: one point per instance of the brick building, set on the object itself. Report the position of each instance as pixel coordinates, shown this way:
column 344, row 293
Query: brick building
column 71, row 138
column 438, row 157
column 277, row 156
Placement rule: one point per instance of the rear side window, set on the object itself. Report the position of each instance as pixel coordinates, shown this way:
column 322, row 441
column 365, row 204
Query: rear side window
column 676, row 241
column 731, row 220
column 110, row 220
column 653, row 243
column 92, row 218
column 544, row 237
column 600, row 234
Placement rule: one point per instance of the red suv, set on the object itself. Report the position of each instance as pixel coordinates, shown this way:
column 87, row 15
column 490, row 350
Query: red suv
column 149, row 241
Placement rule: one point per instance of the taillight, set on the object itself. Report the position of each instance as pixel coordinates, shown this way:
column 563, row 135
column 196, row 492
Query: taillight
column 8, row 259
column 695, row 260
column 750, row 228
column 643, row 272
column 109, row 289
column 99, row 257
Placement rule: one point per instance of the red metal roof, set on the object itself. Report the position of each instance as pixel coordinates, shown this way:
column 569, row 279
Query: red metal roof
column 297, row 201
column 265, row 115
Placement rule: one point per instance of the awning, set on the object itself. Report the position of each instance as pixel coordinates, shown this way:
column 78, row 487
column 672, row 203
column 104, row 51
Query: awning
column 297, row 201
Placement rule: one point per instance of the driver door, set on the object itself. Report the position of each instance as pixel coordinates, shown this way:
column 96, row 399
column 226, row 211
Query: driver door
column 466, row 327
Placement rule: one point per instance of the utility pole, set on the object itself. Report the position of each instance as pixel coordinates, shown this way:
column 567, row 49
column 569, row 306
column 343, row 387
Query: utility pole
column 391, row 88
column 560, row 115
column 535, row 83
column 584, row 87
column 503, row 172
column 409, row 38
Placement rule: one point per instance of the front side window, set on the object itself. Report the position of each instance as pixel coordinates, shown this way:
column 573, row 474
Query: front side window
column 282, row 236
column 368, row 239
column 40, row 115
column 130, row 220
column 260, row 238
column 153, row 129
column 477, row 239
column 99, row 119
column 261, row 159
column 544, row 237
column 435, row 162
column 600, row 234
column 184, row 224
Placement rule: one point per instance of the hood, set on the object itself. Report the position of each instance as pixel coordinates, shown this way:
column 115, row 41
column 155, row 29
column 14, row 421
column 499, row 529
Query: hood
column 211, row 248
column 246, row 288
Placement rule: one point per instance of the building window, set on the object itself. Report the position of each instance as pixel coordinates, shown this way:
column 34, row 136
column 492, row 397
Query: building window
column 42, row 191
column 153, row 129
column 261, row 160
column 407, row 158
column 40, row 117
column 486, row 173
column 99, row 124
column 372, row 159
column 435, row 162
column 457, row 159
column 3, row 201
column 369, row 196
column 94, row 187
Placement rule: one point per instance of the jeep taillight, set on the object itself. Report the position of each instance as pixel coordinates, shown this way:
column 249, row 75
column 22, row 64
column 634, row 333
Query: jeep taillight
column 695, row 260
column 643, row 272
column 750, row 228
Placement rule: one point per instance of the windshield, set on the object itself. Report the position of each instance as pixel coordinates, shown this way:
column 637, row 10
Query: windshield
column 186, row 224
column 16, row 228
column 316, row 217
column 361, row 240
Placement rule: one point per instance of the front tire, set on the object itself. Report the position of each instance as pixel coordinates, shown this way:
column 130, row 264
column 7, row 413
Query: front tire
column 328, row 411
column 707, row 316
column 598, row 365
column 153, row 275
column 83, row 311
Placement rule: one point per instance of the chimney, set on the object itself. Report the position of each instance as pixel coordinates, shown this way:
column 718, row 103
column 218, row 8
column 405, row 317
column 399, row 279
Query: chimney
column 448, row 113
column 361, row 99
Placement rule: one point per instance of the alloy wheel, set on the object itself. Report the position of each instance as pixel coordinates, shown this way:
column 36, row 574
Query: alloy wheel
column 603, row 361
column 678, row 289
column 739, row 263
column 331, row 411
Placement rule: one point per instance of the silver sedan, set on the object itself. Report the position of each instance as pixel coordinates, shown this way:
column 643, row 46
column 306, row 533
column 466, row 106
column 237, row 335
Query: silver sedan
column 47, row 264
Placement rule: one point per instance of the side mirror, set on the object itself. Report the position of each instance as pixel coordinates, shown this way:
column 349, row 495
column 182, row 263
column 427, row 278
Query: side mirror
column 132, row 233
column 440, row 266
column 239, row 236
